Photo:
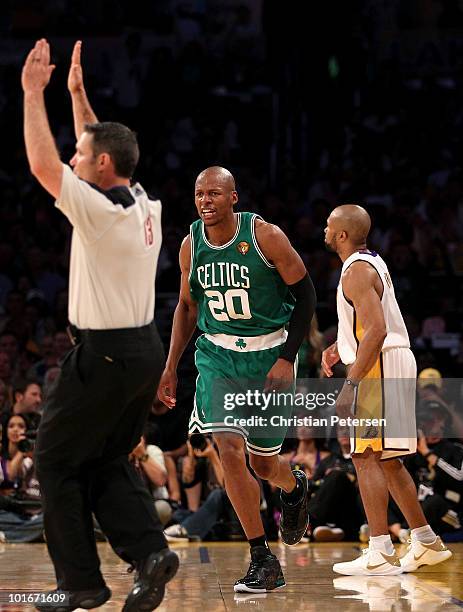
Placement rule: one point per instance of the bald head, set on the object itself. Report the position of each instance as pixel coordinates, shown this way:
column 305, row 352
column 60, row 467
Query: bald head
column 215, row 196
column 352, row 219
column 219, row 175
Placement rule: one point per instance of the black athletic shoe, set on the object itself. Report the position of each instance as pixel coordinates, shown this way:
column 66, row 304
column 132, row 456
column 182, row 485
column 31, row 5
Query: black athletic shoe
column 77, row 599
column 295, row 517
column 264, row 573
column 152, row 575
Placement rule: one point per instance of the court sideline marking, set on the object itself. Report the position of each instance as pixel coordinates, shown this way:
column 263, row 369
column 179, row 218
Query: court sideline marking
column 204, row 554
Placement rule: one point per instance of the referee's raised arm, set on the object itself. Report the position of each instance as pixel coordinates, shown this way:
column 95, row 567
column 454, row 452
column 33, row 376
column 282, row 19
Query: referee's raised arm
column 42, row 154
column 81, row 108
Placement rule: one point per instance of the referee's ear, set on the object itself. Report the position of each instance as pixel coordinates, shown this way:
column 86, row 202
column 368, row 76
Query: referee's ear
column 104, row 162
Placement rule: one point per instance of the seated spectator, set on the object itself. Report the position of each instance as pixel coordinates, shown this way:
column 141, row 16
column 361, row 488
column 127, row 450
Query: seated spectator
column 6, row 373
column 149, row 460
column 53, row 350
column 28, row 400
column 201, row 470
column 21, row 519
column 310, row 450
column 49, row 359
column 13, row 319
column 335, row 508
column 4, row 399
column 430, row 386
column 10, row 345
column 437, row 469
column 153, row 438
column 209, row 510
column 15, row 463
column 50, row 377
column 173, row 427
column 309, row 355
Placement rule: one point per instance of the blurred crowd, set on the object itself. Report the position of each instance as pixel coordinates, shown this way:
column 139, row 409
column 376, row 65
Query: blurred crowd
column 186, row 480
column 305, row 123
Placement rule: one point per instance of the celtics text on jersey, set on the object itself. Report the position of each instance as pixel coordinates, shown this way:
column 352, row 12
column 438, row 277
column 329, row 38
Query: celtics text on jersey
column 237, row 290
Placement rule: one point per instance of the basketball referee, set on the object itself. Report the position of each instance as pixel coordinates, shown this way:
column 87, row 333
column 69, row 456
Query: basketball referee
column 95, row 413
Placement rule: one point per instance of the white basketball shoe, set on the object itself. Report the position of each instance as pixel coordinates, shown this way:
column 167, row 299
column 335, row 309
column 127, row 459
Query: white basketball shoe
column 419, row 554
column 371, row 563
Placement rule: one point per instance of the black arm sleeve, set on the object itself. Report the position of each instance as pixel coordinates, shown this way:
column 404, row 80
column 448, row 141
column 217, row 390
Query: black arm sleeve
column 299, row 323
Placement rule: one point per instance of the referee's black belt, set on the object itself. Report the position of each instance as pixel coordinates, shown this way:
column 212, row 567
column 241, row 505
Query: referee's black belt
column 121, row 338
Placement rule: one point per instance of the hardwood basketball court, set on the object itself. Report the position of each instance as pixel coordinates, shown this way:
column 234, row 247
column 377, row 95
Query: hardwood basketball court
column 204, row 582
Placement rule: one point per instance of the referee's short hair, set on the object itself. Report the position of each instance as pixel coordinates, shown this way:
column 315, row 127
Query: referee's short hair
column 119, row 142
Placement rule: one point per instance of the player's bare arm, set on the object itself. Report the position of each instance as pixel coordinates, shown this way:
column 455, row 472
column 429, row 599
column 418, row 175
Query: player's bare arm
column 363, row 287
column 276, row 247
column 183, row 326
column 278, row 251
column 81, row 109
column 42, row 154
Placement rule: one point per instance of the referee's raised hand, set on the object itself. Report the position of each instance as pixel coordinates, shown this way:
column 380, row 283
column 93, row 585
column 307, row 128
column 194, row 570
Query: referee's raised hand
column 75, row 76
column 37, row 69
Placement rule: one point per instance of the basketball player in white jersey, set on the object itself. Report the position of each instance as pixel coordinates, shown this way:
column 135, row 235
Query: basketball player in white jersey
column 373, row 343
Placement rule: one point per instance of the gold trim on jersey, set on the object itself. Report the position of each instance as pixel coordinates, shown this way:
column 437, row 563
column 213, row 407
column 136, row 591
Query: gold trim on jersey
column 369, row 401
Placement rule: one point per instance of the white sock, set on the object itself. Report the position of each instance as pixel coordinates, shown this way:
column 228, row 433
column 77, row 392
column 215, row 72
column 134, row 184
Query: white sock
column 424, row 534
column 382, row 543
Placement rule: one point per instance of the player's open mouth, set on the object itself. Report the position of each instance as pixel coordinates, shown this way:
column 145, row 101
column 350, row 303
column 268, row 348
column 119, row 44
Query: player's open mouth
column 207, row 213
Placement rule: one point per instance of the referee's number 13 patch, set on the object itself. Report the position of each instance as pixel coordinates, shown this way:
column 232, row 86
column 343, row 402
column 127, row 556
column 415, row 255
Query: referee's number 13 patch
column 149, row 239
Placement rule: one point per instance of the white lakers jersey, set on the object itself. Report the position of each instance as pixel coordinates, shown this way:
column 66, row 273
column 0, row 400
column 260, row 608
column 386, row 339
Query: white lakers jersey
column 350, row 331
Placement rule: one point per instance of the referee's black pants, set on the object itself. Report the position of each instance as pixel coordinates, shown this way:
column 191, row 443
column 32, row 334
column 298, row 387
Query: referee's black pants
column 92, row 420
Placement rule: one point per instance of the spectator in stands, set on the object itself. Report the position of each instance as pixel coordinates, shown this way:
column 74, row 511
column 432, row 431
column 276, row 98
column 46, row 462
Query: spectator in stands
column 50, row 377
column 437, row 469
column 47, row 281
column 6, row 373
column 21, row 519
column 49, row 358
column 4, row 399
column 431, row 395
column 15, row 463
column 335, row 506
column 172, row 427
column 149, row 460
column 27, row 401
column 309, row 355
column 53, row 349
column 310, row 451
column 13, row 320
column 61, row 344
column 203, row 483
column 10, row 345
column 440, row 462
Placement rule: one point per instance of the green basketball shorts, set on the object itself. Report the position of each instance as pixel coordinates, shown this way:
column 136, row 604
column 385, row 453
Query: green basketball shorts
column 231, row 377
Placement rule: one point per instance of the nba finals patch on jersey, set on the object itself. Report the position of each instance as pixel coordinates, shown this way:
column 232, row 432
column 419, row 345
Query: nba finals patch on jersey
column 243, row 247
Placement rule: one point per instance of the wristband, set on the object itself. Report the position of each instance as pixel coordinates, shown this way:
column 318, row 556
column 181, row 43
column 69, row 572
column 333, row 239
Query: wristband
column 351, row 383
column 299, row 324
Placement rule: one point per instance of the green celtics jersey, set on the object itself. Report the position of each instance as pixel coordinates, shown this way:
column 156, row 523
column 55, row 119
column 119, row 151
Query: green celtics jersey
column 237, row 290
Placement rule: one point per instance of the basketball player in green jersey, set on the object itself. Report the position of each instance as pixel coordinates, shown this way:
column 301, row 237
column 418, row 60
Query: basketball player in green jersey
column 242, row 283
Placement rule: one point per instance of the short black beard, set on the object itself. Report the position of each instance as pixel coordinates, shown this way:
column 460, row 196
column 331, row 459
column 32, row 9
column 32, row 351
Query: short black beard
column 329, row 248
